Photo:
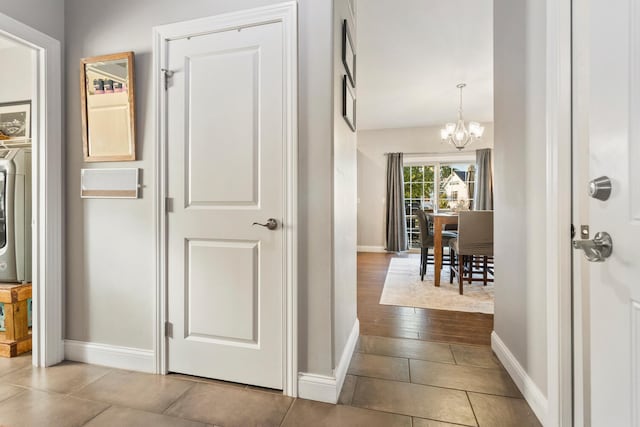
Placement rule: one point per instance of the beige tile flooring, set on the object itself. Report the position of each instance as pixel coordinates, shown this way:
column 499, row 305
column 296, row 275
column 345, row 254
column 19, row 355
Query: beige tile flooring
column 391, row 382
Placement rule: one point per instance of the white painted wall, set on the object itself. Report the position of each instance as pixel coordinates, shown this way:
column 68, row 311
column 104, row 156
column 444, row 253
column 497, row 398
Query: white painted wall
column 46, row 16
column 372, row 165
column 520, row 67
column 344, row 197
column 16, row 74
column 110, row 252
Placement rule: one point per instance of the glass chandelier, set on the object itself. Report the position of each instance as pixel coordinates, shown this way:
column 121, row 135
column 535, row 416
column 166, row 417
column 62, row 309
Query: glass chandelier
column 457, row 134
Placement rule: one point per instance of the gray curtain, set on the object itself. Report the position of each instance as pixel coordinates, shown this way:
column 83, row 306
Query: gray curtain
column 397, row 239
column 484, row 181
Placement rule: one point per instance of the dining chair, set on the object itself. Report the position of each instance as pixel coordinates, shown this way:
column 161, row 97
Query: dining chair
column 427, row 240
column 475, row 239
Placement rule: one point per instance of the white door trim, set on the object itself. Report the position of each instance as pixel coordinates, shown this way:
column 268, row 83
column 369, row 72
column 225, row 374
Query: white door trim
column 287, row 14
column 558, row 214
column 46, row 109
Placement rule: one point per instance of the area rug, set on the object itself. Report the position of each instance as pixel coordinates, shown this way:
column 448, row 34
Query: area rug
column 403, row 287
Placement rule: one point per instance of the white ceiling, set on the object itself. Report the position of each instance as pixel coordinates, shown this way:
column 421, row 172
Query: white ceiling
column 412, row 53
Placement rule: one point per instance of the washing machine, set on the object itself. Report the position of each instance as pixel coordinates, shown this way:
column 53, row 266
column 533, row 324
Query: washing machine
column 15, row 215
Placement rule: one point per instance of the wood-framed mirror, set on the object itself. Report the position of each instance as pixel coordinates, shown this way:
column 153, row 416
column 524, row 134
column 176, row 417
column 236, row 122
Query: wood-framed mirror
column 108, row 108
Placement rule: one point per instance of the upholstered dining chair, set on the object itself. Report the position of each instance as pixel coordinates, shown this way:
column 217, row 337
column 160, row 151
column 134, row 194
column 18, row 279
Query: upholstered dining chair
column 427, row 240
column 475, row 239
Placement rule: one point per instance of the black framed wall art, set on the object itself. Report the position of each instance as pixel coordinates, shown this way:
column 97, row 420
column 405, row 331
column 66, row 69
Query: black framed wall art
column 348, row 103
column 348, row 53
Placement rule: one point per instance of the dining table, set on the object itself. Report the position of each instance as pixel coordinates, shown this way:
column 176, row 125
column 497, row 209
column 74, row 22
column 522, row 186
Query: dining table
column 439, row 219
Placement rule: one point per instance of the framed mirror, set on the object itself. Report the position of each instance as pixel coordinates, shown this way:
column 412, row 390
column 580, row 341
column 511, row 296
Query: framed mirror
column 108, row 108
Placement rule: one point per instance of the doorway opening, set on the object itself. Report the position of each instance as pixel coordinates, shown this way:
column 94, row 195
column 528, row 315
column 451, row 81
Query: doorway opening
column 30, row 165
column 15, row 200
column 413, row 185
column 425, row 141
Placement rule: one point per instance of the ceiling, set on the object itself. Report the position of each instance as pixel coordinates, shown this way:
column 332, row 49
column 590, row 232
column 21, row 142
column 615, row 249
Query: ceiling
column 412, row 53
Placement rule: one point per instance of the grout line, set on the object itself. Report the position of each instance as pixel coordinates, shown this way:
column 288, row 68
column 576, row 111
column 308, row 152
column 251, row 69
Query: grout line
column 440, row 421
column 497, row 395
column 20, row 393
column 485, row 346
column 453, row 354
column 472, row 410
column 96, row 415
column 164, row 412
column 355, row 389
column 353, row 393
column 379, row 378
column 441, row 387
column 459, row 365
column 386, row 412
column 409, row 365
column 82, row 387
column 286, row 414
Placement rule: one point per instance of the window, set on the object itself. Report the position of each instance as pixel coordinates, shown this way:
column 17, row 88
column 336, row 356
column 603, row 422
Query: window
column 455, row 184
column 419, row 184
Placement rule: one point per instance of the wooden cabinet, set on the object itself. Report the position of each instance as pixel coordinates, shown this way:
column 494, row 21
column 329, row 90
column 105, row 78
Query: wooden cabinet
column 16, row 338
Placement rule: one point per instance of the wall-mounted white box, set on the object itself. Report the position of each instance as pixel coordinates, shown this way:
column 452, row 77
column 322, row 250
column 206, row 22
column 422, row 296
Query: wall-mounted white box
column 120, row 183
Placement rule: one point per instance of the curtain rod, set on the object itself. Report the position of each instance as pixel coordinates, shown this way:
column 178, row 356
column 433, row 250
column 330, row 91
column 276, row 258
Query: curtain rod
column 431, row 154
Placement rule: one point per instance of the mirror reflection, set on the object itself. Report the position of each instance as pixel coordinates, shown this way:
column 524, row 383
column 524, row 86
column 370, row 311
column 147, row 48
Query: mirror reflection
column 109, row 108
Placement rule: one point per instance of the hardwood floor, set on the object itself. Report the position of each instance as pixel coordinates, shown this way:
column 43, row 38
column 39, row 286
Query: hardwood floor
column 409, row 322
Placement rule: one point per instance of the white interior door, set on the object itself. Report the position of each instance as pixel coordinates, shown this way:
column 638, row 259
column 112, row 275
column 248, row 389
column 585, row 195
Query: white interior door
column 225, row 155
column 607, row 139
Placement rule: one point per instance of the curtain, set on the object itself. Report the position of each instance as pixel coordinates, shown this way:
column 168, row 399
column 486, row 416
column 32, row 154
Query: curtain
column 484, row 181
column 397, row 239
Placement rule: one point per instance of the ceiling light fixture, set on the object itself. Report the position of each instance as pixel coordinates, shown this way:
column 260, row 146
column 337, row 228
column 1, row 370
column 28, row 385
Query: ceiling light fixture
column 457, row 133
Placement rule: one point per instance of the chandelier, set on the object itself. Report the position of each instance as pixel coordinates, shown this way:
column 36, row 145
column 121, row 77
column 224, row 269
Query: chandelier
column 457, row 134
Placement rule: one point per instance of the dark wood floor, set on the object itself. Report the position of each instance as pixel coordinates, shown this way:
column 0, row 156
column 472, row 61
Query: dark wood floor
column 409, row 322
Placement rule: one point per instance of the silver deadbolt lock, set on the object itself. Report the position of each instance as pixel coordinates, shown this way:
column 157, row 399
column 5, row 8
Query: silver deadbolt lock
column 600, row 188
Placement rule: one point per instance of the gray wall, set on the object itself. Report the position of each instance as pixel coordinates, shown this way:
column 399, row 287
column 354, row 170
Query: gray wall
column 110, row 243
column 46, row 16
column 345, row 192
column 372, row 164
column 15, row 74
column 519, row 155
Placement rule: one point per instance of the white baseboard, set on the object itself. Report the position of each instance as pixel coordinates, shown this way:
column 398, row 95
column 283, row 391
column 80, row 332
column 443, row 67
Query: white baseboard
column 376, row 249
column 532, row 394
column 343, row 365
column 324, row 388
column 317, row 387
column 132, row 359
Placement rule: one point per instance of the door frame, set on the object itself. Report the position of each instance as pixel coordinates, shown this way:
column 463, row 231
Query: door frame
column 559, row 411
column 286, row 13
column 47, row 251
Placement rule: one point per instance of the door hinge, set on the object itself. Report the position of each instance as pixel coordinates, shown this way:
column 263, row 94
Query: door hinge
column 168, row 329
column 168, row 204
column 168, row 74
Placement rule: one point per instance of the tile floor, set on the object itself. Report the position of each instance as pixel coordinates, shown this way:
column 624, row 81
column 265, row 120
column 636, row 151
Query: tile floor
column 391, row 382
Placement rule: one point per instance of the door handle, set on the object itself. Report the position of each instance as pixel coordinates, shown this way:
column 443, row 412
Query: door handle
column 598, row 249
column 271, row 224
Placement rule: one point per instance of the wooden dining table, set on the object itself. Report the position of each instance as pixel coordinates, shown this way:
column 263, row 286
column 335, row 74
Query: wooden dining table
column 439, row 219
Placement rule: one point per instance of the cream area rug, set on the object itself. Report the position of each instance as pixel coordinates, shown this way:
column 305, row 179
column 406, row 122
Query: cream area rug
column 403, row 287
